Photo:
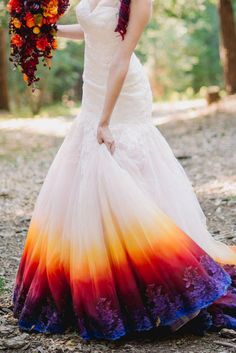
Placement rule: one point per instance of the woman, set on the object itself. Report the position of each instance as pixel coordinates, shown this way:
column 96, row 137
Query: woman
column 118, row 241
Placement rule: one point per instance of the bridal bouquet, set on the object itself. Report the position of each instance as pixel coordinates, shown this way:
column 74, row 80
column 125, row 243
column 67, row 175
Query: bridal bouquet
column 33, row 29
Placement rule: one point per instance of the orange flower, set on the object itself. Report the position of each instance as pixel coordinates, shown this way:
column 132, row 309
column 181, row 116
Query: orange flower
column 51, row 9
column 29, row 18
column 42, row 43
column 51, row 20
column 17, row 40
column 54, row 44
column 36, row 30
column 25, row 77
column 16, row 22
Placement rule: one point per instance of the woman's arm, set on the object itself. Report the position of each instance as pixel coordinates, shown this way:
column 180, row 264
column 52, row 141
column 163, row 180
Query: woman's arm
column 70, row 31
column 140, row 13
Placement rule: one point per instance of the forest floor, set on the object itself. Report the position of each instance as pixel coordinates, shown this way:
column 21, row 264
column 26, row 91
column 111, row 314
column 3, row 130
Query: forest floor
column 204, row 140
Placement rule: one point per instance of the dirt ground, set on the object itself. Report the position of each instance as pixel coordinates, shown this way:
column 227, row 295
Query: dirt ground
column 204, row 140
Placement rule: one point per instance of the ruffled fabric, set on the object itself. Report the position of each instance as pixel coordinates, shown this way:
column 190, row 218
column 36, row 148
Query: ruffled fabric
column 102, row 256
column 119, row 243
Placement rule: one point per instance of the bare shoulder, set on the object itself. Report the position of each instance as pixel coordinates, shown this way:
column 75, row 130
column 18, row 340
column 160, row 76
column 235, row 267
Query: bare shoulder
column 143, row 2
column 140, row 14
column 142, row 9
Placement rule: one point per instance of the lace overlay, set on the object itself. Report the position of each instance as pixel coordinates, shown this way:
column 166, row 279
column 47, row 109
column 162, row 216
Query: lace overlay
column 161, row 307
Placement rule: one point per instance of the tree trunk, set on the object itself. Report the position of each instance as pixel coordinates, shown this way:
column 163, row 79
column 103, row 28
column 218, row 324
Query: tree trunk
column 228, row 44
column 4, row 99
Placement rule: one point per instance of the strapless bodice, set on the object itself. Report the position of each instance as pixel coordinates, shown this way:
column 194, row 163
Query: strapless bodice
column 101, row 42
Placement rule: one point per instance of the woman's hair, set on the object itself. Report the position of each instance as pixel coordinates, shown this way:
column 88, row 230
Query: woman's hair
column 123, row 20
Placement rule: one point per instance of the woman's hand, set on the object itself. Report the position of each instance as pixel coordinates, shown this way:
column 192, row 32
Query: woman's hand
column 104, row 135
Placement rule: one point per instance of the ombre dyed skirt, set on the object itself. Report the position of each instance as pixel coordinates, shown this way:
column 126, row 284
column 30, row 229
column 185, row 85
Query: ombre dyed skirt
column 118, row 243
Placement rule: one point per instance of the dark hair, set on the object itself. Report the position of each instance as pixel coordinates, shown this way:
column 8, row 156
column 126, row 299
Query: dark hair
column 123, row 20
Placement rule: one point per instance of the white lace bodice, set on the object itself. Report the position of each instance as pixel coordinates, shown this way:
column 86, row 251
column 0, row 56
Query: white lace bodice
column 101, row 41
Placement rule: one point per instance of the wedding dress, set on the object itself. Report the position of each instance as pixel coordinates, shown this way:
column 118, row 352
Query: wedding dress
column 118, row 243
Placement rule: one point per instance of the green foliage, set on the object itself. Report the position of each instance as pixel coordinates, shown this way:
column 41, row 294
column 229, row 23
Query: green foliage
column 64, row 78
column 180, row 49
column 181, row 46
column 2, row 284
column 67, row 69
column 4, row 15
column 204, row 46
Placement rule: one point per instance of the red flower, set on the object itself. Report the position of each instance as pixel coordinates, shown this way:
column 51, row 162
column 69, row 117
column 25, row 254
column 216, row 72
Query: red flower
column 17, row 40
column 29, row 18
column 42, row 43
column 14, row 5
column 52, row 20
